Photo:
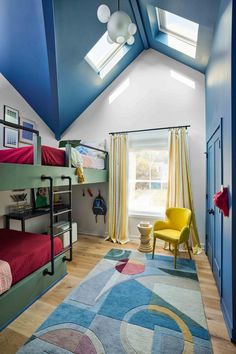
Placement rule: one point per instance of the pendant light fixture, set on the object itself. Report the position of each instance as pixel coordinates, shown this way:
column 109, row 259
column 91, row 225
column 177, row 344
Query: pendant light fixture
column 119, row 25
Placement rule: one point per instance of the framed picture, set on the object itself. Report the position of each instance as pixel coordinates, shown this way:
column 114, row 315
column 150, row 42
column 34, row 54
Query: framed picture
column 25, row 136
column 10, row 137
column 40, row 198
column 11, row 115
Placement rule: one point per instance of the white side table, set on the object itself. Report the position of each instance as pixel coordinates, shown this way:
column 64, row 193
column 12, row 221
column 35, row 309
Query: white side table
column 145, row 238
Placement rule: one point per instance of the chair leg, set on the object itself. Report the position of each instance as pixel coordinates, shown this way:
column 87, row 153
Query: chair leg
column 175, row 254
column 188, row 250
column 154, row 245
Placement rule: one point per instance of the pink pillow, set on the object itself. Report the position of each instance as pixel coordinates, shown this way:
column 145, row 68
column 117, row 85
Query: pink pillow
column 5, row 276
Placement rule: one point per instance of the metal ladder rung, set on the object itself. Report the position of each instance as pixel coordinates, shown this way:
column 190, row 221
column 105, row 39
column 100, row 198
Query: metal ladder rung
column 62, row 192
column 62, row 212
column 63, row 251
column 62, row 232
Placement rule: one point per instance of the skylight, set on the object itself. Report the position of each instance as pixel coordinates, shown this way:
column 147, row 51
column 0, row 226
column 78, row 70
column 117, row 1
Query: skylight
column 182, row 33
column 104, row 55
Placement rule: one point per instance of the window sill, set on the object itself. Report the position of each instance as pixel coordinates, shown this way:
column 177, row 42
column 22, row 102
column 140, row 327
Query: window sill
column 148, row 215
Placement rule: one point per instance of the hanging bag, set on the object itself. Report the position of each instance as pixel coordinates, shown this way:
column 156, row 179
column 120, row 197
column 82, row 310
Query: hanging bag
column 99, row 207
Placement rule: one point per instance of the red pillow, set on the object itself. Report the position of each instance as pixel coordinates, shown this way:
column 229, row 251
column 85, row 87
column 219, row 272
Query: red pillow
column 220, row 200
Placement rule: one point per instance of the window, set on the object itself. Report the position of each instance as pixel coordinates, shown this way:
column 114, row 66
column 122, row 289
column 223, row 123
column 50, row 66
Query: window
column 182, row 33
column 104, row 55
column 148, row 175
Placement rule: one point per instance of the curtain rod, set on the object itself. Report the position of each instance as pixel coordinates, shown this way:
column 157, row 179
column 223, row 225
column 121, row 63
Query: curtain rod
column 148, row 130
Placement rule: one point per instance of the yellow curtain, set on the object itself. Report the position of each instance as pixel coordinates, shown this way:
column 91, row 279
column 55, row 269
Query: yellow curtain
column 179, row 192
column 173, row 190
column 118, row 216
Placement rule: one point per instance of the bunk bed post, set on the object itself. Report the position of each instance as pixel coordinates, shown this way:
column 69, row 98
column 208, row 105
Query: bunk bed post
column 68, row 155
column 37, row 150
column 106, row 161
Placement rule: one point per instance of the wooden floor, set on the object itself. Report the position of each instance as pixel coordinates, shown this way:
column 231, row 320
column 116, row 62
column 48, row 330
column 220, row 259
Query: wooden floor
column 87, row 252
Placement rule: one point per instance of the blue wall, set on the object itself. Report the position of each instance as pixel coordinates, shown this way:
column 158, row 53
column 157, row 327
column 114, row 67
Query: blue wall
column 234, row 166
column 23, row 54
column 218, row 104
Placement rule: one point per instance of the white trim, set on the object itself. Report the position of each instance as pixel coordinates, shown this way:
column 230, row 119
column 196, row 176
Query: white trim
column 88, row 233
column 136, row 214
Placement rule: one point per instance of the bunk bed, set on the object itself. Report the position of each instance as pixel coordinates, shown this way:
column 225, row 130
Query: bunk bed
column 27, row 255
column 23, row 167
column 33, row 167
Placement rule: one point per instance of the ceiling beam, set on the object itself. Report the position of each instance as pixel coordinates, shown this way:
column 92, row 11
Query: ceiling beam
column 139, row 23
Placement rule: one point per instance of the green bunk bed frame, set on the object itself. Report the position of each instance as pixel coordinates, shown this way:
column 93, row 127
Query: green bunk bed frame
column 24, row 293
column 15, row 176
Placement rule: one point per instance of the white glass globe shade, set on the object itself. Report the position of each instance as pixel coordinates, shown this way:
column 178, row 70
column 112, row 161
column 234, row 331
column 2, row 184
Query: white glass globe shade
column 103, row 13
column 130, row 40
column 132, row 29
column 118, row 26
column 120, row 39
column 109, row 40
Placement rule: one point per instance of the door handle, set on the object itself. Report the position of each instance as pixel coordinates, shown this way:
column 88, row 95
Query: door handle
column 211, row 211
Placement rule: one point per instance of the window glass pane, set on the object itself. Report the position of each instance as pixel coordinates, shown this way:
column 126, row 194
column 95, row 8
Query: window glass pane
column 181, row 26
column 104, row 55
column 182, row 34
column 148, row 175
column 142, row 165
column 113, row 61
column 101, row 51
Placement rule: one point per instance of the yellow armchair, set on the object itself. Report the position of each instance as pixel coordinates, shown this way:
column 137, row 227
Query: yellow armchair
column 175, row 229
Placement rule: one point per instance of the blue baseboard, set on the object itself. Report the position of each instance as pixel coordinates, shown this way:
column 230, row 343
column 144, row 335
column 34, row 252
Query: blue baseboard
column 233, row 339
column 228, row 322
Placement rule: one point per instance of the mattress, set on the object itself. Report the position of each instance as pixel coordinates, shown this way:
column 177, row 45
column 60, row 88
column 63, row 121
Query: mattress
column 93, row 162
column 26, row 252
column 50, row 157
column 25, row 155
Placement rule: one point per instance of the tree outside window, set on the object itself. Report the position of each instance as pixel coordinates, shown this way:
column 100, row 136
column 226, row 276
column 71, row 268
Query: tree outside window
column 148, row 175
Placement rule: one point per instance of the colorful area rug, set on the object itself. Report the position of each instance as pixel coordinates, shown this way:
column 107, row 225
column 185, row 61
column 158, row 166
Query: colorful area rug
column 129, row 303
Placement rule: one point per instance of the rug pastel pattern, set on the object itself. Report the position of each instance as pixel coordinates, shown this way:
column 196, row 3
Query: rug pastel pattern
column 129, row 303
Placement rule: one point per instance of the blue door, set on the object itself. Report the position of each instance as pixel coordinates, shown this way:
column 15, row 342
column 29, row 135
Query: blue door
column 214, row 216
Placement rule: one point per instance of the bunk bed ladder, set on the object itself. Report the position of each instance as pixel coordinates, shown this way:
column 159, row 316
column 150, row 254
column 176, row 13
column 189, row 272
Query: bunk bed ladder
column 55, row 214
column 69, row 211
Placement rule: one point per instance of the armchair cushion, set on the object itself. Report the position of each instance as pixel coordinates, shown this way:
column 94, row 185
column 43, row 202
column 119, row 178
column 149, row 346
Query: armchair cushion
column 178, row 217
column 161, row 224
column 168, row 235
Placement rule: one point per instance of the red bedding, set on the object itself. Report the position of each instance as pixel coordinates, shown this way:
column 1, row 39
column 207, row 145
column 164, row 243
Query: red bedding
column 25, row 155
column 25, row 252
